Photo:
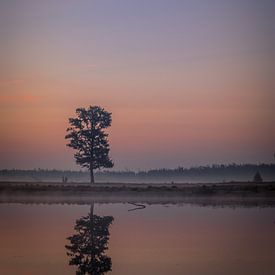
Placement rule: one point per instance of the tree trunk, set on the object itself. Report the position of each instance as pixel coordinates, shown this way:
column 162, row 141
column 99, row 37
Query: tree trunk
column 92, row 175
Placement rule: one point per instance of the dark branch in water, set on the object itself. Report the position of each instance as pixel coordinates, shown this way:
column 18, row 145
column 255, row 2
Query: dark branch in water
column 139, row 206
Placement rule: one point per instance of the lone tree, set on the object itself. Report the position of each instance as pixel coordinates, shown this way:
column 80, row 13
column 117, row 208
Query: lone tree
column 258, row 177
column 86, row 135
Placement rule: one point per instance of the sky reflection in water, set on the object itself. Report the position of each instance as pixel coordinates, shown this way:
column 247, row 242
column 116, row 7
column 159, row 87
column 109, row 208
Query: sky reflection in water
column 160, row 239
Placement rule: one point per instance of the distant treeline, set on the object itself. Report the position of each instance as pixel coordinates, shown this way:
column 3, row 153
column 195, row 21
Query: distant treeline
column 213, row 173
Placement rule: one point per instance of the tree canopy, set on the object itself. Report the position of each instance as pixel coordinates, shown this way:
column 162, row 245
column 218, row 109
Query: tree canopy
column 86, row 135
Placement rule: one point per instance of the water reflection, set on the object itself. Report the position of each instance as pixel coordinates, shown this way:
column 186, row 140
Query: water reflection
column 87, row 247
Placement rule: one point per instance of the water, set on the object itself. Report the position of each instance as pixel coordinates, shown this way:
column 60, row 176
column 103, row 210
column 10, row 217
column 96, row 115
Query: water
column 157, row 239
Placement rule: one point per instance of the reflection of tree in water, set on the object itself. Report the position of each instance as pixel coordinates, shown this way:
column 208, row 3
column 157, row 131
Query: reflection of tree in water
column 87, row 247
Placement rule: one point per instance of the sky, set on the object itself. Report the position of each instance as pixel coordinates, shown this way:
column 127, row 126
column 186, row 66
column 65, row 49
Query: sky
column 188, row 82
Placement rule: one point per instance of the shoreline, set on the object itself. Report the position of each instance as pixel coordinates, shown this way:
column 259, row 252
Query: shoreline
column 183, row 188
column 219, row 194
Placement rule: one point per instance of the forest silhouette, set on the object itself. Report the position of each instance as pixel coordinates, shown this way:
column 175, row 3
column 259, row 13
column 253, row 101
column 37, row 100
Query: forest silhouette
column 221, row 172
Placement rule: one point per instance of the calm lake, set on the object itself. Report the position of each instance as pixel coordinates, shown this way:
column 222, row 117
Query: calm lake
column 157, row 239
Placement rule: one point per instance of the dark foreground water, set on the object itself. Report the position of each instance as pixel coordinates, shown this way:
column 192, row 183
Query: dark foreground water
column 158, row 239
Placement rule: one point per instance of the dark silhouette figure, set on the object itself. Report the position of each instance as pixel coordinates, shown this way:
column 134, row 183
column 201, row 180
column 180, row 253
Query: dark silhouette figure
column 87, row 247
column 87, row 136
column 258, row 177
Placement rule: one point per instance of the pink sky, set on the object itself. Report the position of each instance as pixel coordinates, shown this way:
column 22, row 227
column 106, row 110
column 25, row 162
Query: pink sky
column 188, row 84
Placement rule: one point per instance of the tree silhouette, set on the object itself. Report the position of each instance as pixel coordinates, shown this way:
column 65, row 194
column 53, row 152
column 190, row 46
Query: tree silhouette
column 258, row 177
column 87, row 247
column 87, row 136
